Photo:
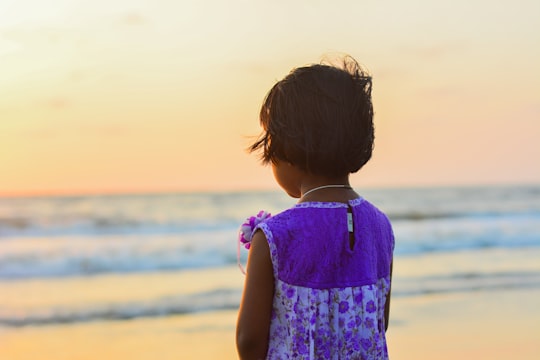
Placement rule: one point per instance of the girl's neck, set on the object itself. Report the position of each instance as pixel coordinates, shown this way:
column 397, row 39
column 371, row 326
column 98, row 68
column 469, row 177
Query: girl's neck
column 321, row 189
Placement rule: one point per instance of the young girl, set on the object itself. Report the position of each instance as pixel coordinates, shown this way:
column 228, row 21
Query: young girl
column 318, row 274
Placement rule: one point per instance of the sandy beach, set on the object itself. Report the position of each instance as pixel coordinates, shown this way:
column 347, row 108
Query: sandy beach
column 486, row 323
column 490, row 325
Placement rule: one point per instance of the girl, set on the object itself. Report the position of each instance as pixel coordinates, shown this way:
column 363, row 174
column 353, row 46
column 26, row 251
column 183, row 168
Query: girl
column 318, row 274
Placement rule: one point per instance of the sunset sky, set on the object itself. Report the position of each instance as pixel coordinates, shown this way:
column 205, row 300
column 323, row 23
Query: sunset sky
column 127, row 96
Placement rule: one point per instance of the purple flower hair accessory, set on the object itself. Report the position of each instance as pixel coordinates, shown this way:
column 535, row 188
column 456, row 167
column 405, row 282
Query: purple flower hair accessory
column 245, row 234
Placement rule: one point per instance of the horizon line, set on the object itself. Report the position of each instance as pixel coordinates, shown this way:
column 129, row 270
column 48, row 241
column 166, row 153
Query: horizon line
column 135, row 192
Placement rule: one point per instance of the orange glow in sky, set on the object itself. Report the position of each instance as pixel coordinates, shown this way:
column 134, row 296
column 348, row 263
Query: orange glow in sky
column 124, row 96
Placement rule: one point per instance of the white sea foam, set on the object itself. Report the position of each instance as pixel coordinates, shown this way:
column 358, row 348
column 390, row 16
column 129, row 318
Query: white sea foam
column 73, row 236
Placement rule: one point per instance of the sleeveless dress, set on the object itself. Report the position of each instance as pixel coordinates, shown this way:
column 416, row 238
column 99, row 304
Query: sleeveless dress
column 329, row 298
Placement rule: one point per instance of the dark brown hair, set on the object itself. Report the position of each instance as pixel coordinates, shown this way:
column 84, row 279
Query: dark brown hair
column 319, row 118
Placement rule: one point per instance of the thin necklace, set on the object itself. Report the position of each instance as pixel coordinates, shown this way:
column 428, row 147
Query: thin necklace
column 326, row 186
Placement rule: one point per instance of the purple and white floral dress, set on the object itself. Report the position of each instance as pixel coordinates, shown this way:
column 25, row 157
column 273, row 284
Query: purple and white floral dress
column 329, row 297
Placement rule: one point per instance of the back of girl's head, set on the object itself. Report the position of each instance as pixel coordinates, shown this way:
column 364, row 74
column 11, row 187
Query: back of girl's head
column 320, row 119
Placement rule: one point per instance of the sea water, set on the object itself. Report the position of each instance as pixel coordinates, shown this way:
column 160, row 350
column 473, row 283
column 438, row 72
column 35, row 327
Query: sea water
column 72, row 259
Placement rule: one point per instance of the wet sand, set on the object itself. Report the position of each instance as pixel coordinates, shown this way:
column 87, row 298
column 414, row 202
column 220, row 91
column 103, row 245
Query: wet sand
column 483, row 325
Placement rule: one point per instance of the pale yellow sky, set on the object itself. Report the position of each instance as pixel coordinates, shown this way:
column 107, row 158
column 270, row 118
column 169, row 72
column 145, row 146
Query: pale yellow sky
column 161, row 95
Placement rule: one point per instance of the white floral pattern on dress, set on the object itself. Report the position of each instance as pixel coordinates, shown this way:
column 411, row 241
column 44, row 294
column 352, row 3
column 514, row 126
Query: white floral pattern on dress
column 340, row 323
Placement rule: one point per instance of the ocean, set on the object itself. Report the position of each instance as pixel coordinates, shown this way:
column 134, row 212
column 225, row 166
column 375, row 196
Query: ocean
column 74, row 259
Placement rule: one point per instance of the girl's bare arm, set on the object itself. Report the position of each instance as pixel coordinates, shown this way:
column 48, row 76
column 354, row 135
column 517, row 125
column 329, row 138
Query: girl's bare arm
column 256, row 306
